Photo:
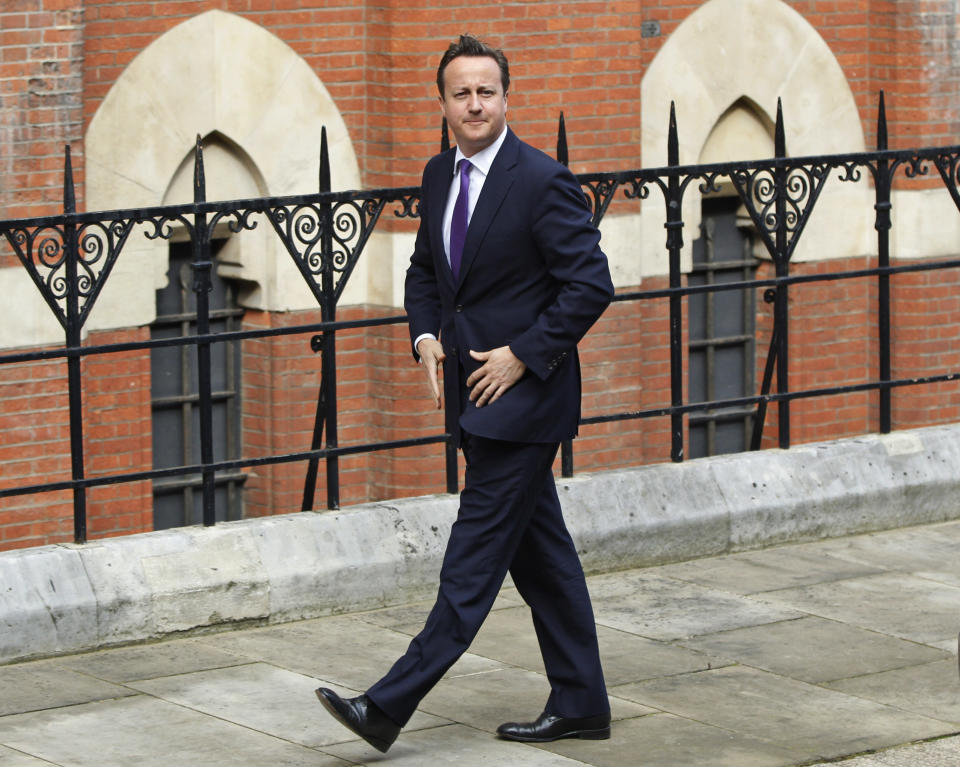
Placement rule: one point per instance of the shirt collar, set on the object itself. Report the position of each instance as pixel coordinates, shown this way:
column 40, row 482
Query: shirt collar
column 483, row 159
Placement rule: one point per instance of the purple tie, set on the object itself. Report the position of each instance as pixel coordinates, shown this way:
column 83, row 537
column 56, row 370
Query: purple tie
column 458, row 224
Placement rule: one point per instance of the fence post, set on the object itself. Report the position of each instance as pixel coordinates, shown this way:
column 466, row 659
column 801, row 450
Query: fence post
column 674, row 227
column 202, row 286
column 882, row 225
column 563, row 157
column 71, row 248
column 328, row 313
column 780, row 306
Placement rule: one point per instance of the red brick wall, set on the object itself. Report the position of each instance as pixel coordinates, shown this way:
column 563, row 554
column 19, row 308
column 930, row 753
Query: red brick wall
column 35, row 448
column 35, row 424
column 117, row 435
column 926, row 340
column 41, row 96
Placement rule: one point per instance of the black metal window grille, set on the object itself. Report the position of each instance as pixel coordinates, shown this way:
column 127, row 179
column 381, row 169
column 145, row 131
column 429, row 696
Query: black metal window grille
column 69, row 257
column 722, row 330
column 175, row 396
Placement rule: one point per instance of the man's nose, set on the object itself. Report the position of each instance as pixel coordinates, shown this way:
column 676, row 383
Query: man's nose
column 473, row 103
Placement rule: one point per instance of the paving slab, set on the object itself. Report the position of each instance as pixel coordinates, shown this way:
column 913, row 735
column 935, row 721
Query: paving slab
column 48, row 684
column 127, row 664
column 409, row 619
column 263, row 698
column 932, row 689
column 817, row 722
column 147, row 732
column 944, row 752
column 651, row 605
column 947, row 645
column 665, row 740
column 630, row 658
column 11, row 758
column 454, row 746
column 913, row 549
column 342, row 649
column 759, row 571
column 898, row 604
column 815, row 649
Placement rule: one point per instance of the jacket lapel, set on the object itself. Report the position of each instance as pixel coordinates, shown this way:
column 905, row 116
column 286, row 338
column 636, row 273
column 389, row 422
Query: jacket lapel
column 437, row 204
column 494, row 191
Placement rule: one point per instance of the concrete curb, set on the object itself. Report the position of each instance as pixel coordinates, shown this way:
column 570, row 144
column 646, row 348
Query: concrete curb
column 69, row 598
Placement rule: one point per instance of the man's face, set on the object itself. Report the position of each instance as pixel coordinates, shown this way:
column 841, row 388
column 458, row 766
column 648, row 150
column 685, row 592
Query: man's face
column 474, row 102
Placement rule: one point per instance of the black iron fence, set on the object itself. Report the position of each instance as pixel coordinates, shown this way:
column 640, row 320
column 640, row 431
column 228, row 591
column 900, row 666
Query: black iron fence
column 70, row 256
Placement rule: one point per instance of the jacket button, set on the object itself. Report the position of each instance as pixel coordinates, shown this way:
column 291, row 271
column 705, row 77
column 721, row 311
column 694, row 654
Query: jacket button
column 459, row 308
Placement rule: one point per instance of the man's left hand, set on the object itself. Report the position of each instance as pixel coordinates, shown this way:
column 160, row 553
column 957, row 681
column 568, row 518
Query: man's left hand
column 501, row 369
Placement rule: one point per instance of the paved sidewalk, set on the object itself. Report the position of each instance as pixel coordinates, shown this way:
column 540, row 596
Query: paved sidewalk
column 789, row 656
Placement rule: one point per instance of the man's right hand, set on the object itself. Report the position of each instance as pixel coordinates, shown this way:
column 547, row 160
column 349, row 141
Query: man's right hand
column 431, row 355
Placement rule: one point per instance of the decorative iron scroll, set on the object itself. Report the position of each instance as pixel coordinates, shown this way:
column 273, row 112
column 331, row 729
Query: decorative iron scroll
column 948, row 164
column 43, row 252
column 599, row 193
column 765, row 192
column 301, row 228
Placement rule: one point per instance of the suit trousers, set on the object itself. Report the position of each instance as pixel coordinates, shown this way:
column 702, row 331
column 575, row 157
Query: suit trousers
column 509, row 519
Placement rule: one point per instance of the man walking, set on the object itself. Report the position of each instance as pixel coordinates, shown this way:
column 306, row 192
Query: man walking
column 506, row 277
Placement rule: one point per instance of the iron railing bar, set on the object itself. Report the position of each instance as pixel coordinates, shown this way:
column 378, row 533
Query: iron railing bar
column 239, row 335
column 233, row 335
column 240, row 463
column 250, row 205
column 793, row 279
column 835, row 161
column 773, row 397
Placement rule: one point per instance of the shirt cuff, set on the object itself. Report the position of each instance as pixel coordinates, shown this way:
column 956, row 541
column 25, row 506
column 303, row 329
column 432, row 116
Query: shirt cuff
column 417, row 341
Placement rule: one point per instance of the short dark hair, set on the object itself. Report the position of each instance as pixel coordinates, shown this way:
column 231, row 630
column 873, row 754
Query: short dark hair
column 468, row 45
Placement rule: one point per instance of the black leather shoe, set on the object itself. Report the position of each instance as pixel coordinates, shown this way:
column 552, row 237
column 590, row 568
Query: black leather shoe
column 549, row 727
column 362, row 717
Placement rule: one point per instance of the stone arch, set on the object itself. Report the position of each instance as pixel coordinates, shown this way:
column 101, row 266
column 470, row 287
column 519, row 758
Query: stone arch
column 220, row 75
column 759, row 49
column 743, row 132
column 739, row 55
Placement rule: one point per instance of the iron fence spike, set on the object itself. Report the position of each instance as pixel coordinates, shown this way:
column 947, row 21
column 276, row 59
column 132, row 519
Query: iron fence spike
column 779, row 139
column 673, row 142
column 563, row 156
column 882, row 124
column 324, row 162
column 199, row 180
column 69, row 191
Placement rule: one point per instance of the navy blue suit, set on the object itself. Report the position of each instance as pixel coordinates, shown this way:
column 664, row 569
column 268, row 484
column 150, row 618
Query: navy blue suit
column 533, row 277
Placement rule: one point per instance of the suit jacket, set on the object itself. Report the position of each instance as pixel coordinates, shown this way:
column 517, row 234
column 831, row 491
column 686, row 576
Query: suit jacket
column 532, row 276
